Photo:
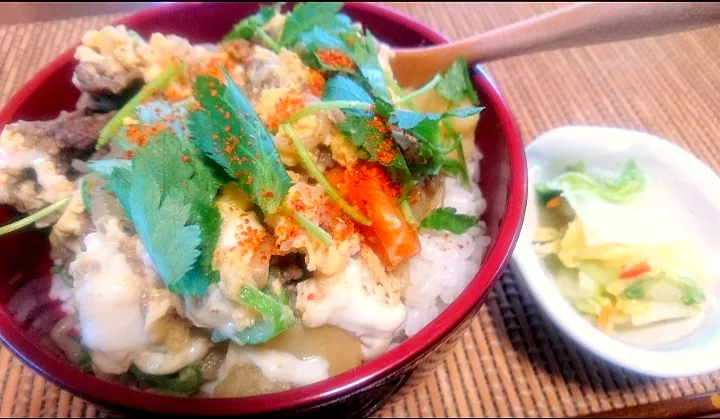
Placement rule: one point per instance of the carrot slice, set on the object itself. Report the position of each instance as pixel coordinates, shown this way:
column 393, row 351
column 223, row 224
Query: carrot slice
column 368, row 187
column 632, row 270
column 603, row 320
column 553, row 203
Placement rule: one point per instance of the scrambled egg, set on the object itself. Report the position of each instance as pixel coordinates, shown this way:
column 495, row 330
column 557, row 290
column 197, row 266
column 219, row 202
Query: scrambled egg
column 362, row 299
column 124, row 310
column 19, row 154
column 312, row 203
column 242, row 255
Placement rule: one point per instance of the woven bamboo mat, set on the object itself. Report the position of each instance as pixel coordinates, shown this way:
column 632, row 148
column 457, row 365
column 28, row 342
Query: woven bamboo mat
column 512, row 361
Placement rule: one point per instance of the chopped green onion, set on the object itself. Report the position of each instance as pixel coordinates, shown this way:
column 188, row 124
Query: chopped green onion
column 393, row 84
column 268, row 40
column 312, row 228
column 277, row 317
column 158, row 83
column 407, row 212
column 464, row 175
column 453, row 145
column 314, row 171
column 36, row 216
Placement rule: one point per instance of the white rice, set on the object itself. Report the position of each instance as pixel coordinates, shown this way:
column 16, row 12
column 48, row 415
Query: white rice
column 447, row 262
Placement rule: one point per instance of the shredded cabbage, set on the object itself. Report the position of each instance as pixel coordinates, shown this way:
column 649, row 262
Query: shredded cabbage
column 616, row 284
column 630, row 183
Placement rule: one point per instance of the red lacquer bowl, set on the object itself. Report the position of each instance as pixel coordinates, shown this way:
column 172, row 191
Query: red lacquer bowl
column 27, row 315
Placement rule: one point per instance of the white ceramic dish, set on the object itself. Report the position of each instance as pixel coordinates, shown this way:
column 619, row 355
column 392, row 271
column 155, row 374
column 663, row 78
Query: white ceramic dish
column 694, row 189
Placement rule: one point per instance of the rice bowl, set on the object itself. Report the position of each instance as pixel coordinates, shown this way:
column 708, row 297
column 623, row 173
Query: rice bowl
column 462, row 301
column 262, row 214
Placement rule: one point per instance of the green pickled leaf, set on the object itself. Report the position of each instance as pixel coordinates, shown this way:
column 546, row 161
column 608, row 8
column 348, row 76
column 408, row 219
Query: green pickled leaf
column 623, row 189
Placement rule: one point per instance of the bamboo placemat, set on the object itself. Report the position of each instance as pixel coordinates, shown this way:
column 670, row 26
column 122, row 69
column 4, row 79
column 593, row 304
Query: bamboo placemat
column 512, row 361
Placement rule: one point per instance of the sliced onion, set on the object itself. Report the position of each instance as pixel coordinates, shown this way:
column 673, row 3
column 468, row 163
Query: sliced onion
column 60, row 334
column 104, row 206
column 426, row 197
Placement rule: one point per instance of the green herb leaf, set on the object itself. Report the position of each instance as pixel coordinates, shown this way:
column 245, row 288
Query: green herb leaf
column 409, row 120
column 375, row 145
column 463, row 173
column 318, row 39
column 154, row 85
column 306, row 16
column 333, row 35
column 445, row 218
column 161, row 223
column 383, row 108
column 172, row 116
column 174, row 166
column 210, row 223
column 104, row 168
column 455, row 84
column 342, row 88
column 426, row 128
column 400, row 173
column 153, row 116
column 169, row 198
column 246, row 28
column 438, row 163
column 363, row 134
column 366, row 58
column 229, row 131
column 359, row 128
